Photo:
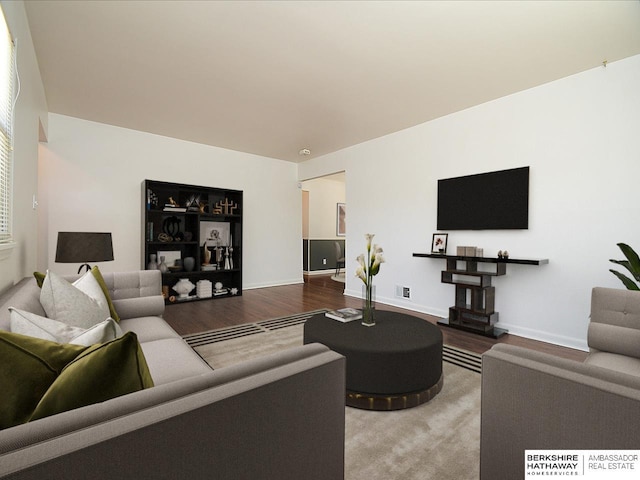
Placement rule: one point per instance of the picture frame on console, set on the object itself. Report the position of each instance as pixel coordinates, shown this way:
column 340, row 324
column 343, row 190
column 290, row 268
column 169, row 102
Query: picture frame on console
column 439, row 243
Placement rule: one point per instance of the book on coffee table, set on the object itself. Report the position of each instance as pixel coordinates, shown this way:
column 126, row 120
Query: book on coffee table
column 344, row 314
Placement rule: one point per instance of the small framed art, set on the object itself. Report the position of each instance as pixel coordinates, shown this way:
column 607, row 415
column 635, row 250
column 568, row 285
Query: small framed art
column 439, row 243
column 341, row 220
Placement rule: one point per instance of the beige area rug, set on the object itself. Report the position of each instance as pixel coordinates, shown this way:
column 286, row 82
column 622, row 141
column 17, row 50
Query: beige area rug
column 439, row 440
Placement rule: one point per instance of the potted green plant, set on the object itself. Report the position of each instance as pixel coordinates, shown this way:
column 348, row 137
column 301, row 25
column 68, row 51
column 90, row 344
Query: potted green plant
column 632, row 263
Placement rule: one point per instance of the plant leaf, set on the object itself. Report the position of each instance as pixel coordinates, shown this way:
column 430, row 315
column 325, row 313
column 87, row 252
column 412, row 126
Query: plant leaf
column 630, row 284
column 634, row 260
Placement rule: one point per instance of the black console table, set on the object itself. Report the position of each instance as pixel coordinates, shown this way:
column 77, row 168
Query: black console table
column 475, row 296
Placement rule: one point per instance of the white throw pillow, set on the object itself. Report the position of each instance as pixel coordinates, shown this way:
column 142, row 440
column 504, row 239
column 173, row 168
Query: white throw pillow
column 27, row 323
column 81, row 304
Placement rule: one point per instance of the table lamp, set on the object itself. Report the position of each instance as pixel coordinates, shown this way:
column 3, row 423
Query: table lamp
column 83, row 247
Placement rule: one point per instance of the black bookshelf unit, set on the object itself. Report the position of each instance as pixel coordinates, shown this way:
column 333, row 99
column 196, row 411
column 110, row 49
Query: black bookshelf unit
column 475, row 296
column 201, row 228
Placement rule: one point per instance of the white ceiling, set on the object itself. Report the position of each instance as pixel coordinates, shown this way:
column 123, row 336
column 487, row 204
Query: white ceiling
column 271, row 78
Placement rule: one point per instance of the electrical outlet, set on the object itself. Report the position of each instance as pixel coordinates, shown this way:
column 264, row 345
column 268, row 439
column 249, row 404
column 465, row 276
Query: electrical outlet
column 403, row 292
column 324, row 261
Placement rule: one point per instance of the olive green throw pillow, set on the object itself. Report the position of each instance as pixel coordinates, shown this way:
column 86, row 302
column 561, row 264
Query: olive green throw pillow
column 41, row 378
column 112, row 310
column 28, row 366
column 39, row 276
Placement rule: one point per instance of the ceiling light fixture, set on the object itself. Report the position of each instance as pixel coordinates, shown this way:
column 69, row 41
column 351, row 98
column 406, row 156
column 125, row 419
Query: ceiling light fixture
column 304, row 152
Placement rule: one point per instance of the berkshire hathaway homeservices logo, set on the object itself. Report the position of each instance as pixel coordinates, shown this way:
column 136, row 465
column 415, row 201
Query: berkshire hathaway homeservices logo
column 583, row 464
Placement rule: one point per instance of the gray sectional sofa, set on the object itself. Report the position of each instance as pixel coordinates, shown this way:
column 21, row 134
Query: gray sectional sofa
column 535, row 401
column 278, row 417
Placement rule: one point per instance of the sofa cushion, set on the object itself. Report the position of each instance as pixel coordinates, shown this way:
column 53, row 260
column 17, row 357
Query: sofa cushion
column 81, row 304
column 95, row 271
column 27, row 323
column 614, row 339
column 172, row 359
column 99, row 373
column 148, row 328
column 613, row 361
column 28, row 367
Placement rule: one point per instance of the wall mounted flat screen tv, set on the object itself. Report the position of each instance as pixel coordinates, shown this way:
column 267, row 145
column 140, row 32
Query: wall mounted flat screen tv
column 486, row 201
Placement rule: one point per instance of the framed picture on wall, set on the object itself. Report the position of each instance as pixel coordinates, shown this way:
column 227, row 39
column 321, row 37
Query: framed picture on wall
column 214, row 233
column 439, row 243
column 341, row 219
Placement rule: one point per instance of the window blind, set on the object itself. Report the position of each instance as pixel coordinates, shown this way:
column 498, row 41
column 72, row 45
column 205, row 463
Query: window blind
column 7, row 75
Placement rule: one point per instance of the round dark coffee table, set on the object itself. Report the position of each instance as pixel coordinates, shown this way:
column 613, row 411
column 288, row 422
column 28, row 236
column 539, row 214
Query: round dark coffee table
column 393, row 365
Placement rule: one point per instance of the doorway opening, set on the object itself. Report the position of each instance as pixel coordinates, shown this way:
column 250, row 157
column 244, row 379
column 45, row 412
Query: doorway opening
column 324, row 226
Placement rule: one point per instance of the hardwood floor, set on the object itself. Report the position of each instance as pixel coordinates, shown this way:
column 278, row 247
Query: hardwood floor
column 319, row 291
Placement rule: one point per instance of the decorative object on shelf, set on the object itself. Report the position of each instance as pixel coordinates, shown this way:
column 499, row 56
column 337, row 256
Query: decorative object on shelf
column 188, row 236
column 206, row 254
column 153, row 264
column 163, row 267
column 439, row 243
column 219, row 289
column 227, row 207
column 466, row 251
column 193, row 203
column 170, row 256
column 216, row 233
column 183, row 288
column 204, row 289
column 163, row 237
column 152, row 199
column 479, row 252
column 503, row 254
column 227, row 262
column 218, row 251
column 165, row 291
column 189, row 263
column 369, row 267
column 171, row 226
column 632, row 263
column 203, row 207
column 234, row 291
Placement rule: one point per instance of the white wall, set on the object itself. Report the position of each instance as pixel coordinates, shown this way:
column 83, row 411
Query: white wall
column 580, row 137
column 31, row 109
column 91, row 176
column 324, row 195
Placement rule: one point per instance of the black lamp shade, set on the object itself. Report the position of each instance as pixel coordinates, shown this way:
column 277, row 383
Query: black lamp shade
column 83, row 247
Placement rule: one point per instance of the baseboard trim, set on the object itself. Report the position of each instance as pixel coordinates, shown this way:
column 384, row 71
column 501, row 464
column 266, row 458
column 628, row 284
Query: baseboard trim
column 274, row 284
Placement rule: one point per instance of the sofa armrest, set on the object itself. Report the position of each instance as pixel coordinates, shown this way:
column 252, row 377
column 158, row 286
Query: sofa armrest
column 532, row 400
column 615, row 321
column 152, row 306
column 281, row 416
